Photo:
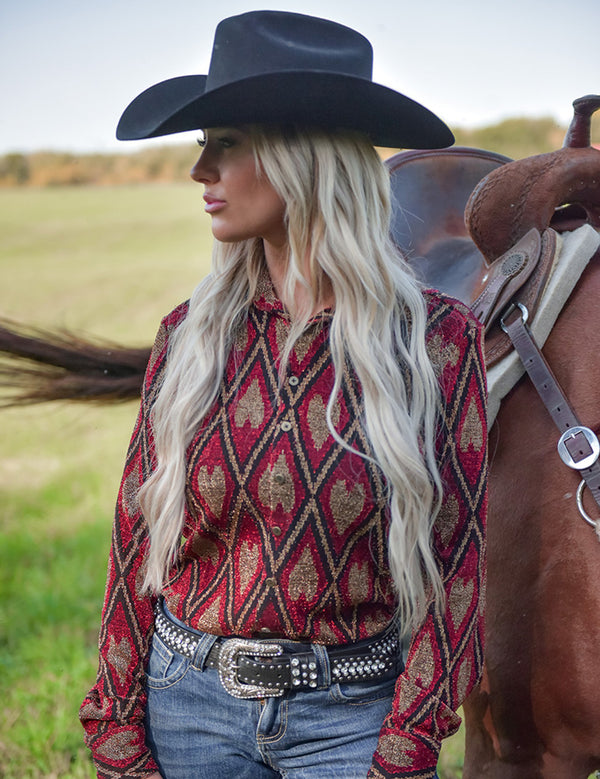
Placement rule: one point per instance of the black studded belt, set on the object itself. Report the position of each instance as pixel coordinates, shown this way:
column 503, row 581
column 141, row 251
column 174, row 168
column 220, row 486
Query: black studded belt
column 265, row 669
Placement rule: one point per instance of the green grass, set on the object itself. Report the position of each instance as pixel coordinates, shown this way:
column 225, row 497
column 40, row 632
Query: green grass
column 105, row 260
column 109, row 262
column 50, row 585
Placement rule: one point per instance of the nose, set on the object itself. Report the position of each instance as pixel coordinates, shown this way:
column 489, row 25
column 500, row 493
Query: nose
column 203, row 172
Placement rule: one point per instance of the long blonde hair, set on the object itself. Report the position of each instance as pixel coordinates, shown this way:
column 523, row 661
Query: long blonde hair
column 337, row 196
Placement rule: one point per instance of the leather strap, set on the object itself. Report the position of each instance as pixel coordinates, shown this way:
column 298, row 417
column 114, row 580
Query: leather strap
column 552, row 395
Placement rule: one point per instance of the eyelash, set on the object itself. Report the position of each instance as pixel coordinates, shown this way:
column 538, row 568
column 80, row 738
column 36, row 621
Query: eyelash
column 225, row 142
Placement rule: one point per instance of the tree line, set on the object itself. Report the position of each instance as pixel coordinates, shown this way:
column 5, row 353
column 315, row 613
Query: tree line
column 515, row 138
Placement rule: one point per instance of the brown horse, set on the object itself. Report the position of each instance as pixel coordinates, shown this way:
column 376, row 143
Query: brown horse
column 536, row 712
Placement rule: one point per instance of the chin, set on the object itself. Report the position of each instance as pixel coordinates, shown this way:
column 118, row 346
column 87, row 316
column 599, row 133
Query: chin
column 228, row 236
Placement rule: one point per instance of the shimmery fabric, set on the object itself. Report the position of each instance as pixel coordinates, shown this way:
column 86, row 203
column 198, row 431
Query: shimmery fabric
column 285, row 533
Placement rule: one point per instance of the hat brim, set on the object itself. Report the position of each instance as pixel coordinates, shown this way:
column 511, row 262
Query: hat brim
column 315, row 98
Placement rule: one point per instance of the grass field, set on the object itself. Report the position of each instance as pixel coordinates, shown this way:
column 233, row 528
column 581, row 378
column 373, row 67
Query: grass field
column 108, row 262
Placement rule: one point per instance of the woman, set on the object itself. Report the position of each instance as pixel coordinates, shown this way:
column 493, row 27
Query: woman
column 306, row 481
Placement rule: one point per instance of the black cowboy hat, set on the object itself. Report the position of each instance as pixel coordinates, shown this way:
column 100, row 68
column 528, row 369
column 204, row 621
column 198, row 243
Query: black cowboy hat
column 274, row 67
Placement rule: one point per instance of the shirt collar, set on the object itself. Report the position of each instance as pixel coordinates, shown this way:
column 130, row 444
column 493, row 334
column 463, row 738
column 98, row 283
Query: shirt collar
column 266, row 299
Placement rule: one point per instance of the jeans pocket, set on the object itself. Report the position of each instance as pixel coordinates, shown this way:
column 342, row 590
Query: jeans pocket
column 165, row 668
column 360, row 693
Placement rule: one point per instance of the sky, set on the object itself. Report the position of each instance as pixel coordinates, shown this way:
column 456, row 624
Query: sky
column 68, row 68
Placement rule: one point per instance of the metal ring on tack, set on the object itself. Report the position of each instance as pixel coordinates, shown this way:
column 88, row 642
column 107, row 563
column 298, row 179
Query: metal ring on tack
column 582, row 511
column 510, row 309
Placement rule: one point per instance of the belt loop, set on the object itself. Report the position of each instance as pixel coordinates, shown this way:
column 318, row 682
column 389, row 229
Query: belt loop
column 323, row 666
column 205, row 644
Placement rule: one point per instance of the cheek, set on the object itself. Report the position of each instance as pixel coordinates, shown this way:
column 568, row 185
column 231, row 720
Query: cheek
column 267, row 201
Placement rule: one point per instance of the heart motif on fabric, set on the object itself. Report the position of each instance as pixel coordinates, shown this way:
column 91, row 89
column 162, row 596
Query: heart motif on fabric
column 122, row 744
column 247, row 561
column 317, row 420
column 472, row 429
column 304, row 578
column 346, row 505
column 119, row 656
column 358, row 583
column 276, row 486
column 395, row 749
column 212, row 487
column 464, row 679
column 251, row 407
column 459, row 600
column 448, row 519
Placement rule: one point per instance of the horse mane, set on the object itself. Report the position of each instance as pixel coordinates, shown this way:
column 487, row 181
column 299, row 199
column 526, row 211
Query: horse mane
column 39, row 365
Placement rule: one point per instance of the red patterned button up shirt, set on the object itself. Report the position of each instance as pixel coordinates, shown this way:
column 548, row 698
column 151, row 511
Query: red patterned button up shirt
column 285, row 533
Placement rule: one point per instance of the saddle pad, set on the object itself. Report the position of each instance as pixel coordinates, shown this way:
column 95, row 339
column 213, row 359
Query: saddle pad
column 573, row 252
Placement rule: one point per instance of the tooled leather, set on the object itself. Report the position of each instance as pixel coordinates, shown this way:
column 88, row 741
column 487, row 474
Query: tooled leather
column 497, row 342
column 506, row 276
column 524, row 194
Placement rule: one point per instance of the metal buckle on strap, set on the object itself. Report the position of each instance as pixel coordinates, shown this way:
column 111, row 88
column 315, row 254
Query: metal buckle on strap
column 227, row 667
column 585, row 440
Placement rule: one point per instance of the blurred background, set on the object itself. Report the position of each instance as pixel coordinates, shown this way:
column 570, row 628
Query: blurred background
column 103, row 239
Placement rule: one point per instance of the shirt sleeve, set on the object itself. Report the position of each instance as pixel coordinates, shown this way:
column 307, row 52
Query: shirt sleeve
column 445, row 656
column 112, row 714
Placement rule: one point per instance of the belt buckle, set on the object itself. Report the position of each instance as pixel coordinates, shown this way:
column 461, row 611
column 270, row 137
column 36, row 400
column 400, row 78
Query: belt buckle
column 231, row 649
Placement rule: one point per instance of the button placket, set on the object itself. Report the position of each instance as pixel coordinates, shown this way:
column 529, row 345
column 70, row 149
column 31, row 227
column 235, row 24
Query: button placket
column 285, row 426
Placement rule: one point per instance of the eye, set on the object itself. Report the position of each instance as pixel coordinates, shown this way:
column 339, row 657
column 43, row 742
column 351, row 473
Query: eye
column 226, row 141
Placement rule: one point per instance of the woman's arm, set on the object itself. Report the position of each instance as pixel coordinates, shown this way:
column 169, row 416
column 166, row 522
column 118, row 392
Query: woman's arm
column 446, row 654
column 113, row 712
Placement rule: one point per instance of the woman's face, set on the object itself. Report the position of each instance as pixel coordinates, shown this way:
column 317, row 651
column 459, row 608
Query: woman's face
column 242, row 203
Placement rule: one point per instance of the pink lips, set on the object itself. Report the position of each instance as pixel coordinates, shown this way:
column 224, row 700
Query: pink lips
column 212, row 204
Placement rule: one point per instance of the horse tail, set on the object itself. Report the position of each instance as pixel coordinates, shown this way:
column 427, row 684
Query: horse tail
column 39, row 365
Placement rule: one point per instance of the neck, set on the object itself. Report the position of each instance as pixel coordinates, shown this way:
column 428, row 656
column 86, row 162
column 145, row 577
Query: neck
column 277, row 259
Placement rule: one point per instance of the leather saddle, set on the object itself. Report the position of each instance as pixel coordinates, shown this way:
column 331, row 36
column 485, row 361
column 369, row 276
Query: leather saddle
column 482, row 227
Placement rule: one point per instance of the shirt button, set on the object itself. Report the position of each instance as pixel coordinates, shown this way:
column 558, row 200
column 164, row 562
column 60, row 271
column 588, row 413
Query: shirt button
column 294, row 381
column 276, row 531
column 286, row 426
column 271, row 582
column 279, row 478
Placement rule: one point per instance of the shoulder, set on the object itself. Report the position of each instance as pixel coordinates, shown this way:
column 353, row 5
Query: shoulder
column 174, row 318
column 448, row 317
column 454, row 340
column 169, row 324
column 156, row 363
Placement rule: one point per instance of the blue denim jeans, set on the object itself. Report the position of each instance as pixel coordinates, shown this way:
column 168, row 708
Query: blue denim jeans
column 196, row 730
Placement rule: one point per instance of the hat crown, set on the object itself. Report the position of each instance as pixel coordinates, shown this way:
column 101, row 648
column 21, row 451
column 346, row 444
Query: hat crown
column 261, row 42
column 277, row 67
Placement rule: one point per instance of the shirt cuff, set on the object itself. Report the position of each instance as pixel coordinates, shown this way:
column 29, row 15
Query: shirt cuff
column 410, row 739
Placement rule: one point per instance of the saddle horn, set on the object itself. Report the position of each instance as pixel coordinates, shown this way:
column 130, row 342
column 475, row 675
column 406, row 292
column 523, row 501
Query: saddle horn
column 560, row 189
